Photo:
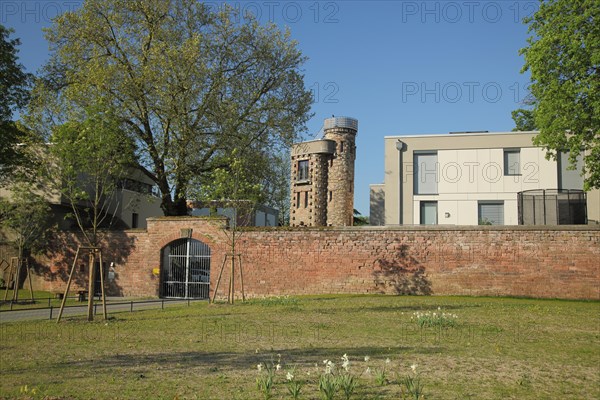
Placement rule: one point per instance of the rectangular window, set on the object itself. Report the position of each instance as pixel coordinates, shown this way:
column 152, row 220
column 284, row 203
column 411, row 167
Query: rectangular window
column 330, row 195
column 303, row 170
column 569, row 178
column 512, row 162
column 429, row 213
column 305, row 199
column 426, row 173
column 134, row 220
column 491, row 212
column 342, row 147
column 297, row 200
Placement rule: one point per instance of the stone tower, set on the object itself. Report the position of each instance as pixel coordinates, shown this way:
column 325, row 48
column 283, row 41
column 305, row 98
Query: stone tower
column 340, row 196
column 322, row 176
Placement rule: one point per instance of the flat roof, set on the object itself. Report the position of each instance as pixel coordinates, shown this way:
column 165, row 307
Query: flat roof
column 452, row 134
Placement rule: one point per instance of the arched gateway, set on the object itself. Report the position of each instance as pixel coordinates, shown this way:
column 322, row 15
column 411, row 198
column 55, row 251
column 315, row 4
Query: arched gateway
column 185, row 270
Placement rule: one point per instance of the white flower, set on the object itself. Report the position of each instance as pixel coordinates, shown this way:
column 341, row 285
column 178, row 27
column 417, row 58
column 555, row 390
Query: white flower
column 345, row 362
column 260, row 367
column 414, row 367
column 325, row 361
column 278, row 367
column 289, row 376
column 367, row 358
column 368, row 370
column 387, row 361
column 329, row 367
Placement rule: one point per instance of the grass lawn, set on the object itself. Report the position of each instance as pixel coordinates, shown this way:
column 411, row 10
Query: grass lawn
column 40, row 297
column 495, row 348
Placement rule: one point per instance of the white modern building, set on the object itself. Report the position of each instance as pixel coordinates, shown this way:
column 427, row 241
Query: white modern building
column 470, row 178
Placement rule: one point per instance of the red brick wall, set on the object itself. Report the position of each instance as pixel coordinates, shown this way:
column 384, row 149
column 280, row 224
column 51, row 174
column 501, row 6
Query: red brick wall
column 558, row 262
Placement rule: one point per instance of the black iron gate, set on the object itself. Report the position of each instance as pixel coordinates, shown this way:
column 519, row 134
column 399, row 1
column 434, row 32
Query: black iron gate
column 185, row 270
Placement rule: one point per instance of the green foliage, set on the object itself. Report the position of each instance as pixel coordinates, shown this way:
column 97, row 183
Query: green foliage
column 90, row 157
column 411, row 386
column 381, row 376
column 26, row 215
column 188, row 84
column 14, row 93
column 348, row 383
column 563, row 58
column 329, row 385
column 294, row 386
column 266, row 378
column 359, row 219
column 277, row 185
column 524, row 120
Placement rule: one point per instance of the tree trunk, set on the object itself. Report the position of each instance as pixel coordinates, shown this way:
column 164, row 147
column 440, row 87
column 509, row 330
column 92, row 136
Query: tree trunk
column 91, row 281
column 171, row 207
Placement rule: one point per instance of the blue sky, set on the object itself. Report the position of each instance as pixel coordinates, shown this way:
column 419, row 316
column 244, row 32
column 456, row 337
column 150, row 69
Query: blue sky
column 399, row 67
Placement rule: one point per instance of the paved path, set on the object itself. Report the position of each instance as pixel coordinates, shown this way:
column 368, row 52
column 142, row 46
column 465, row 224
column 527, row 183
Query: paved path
column 121, row 305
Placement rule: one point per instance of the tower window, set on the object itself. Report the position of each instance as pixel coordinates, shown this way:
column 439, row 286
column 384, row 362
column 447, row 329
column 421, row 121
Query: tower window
column 297, row 200
column 303, row 170
column 134, row 220
column 342, row 146
column 330, row 195
column 305, row 199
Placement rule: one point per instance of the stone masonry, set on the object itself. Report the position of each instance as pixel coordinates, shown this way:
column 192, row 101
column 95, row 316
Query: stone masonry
column 340, row 185
column 545, row 262
column 322, row 177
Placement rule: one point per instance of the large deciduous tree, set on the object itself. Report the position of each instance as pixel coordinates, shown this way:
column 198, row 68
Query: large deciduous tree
column 14, row 94
column 563, row 56
column 189, row 84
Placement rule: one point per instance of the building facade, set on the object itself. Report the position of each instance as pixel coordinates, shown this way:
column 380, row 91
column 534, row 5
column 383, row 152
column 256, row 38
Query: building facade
column 322, row 176
column 467, row 179
column 136, row 199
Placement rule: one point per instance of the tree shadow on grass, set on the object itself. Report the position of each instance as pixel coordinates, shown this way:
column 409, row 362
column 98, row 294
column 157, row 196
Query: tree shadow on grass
column 402, row 273
column 246, row 360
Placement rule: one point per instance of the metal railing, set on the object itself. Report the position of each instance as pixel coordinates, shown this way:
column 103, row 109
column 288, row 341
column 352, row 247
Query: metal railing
column 552, row 207
column 130, row 306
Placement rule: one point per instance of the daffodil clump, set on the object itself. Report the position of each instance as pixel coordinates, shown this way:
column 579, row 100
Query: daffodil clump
column 266, row 379
column 438, row 319
column 411, row 386
column 337, row 378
